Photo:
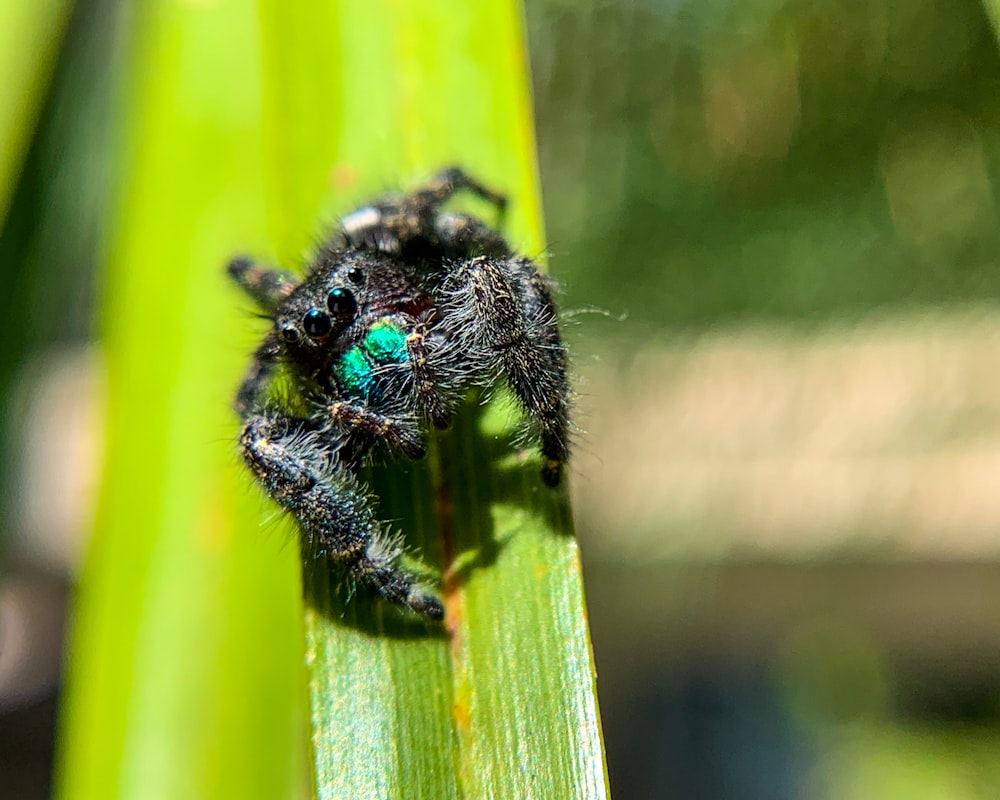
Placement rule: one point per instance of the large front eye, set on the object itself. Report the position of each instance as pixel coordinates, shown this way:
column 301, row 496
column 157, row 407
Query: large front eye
column 316, row 323
column 341, row 303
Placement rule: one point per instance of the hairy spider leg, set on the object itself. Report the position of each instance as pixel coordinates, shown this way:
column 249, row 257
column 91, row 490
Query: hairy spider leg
column 409, row 225
column 253, row 387
column 505, row 306
column 334, row 512
column 451, row 180
column 399, row 433
column 462, row 236
column 268, row 288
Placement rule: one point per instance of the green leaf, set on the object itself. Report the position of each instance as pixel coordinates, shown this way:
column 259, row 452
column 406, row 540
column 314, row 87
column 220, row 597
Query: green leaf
column 503, row 703
column 185, row 671
column 187, row 650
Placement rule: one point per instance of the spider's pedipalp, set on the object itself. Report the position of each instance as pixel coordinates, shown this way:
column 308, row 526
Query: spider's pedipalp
column 268, row 287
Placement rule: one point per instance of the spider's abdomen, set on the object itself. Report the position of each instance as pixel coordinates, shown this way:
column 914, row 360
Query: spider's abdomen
column 355, row 370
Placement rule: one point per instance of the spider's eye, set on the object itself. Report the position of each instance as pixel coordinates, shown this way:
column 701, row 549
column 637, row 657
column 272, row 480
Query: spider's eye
column 341, row 303
column 289, row 334
column 317, row 323
column 356, row 276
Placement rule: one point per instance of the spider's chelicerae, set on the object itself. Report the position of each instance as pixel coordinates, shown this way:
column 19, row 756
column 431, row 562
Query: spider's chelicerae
column 404, row 309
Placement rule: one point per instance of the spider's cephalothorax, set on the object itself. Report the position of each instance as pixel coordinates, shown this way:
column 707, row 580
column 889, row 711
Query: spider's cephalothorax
column 404, row 309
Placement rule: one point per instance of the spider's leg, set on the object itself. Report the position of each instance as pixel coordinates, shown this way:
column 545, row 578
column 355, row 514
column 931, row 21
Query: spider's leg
column 462, row 236
column 451, row 180
column 411, row 225
column 503, row 307
column 250, row 395
column 459, row 236
column 398, row 432
column 335, row 513
column 268, row 287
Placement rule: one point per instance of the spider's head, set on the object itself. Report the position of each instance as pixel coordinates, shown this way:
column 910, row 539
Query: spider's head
column 346, row 291
column 315, row 317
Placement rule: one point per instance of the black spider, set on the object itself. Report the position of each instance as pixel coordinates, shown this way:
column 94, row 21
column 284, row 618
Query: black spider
column 404, row 309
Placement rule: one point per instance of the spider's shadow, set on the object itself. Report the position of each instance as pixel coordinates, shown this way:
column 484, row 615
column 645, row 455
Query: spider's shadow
column 476, row 471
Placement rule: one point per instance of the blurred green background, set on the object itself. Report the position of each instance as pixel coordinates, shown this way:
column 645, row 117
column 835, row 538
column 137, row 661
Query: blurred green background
column 775, row 228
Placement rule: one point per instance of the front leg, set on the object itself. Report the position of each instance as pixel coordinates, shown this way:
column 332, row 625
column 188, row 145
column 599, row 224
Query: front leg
column 269, row 288
column 503, row 309
column 298, row 469
column 398, row 433
column 253, row 387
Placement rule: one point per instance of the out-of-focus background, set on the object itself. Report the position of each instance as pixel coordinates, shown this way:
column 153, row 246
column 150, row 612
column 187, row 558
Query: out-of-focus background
column 776, row 229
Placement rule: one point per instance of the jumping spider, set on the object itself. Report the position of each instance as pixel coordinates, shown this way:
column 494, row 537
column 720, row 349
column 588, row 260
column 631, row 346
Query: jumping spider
column 405, row 308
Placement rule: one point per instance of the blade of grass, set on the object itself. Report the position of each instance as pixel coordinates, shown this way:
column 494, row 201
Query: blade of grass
column 185, row 676
column 360, row 97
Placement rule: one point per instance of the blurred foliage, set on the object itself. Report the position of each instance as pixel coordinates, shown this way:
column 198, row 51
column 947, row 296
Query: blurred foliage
column 802, row 161
column 30, row 35
column 57, row 169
